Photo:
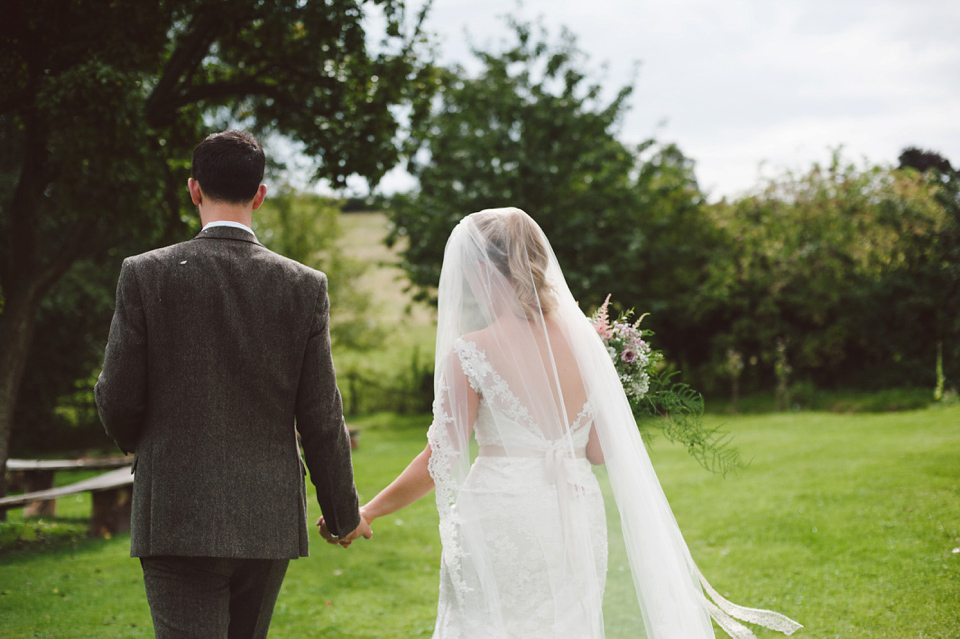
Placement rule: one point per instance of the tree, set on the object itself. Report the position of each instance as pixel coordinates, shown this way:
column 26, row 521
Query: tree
column 819, row 277
column 530, row 130
column 796, row 253
column 937, row 271
column 102, row 103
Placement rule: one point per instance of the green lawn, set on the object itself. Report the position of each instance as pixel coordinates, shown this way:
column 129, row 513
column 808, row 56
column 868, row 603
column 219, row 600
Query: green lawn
column 847, row 523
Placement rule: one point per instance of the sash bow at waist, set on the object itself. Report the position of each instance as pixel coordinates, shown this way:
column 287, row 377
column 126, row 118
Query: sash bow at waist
column 553, row 459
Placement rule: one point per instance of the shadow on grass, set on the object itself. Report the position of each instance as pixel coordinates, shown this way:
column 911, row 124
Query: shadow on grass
column 24, row 540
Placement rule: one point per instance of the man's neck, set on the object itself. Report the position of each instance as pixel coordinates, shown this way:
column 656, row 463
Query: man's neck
column 222, row 212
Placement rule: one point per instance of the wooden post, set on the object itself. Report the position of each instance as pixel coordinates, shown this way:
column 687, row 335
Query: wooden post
column 111, row 511
column 34, row 480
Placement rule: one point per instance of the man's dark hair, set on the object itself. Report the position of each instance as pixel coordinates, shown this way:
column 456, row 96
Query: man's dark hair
column 229, row 166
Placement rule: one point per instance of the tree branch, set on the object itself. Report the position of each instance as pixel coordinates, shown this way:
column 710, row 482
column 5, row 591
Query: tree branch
column 68, row 254
column 216, row 90
column 184, row 61
column 170, row 195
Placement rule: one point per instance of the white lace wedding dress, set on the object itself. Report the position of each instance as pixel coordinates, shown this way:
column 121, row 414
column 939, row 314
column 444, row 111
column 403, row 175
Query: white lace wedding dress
column 516, row 490
column 522, row 520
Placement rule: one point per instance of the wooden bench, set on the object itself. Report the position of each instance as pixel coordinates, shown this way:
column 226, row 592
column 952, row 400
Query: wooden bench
column 111, row 492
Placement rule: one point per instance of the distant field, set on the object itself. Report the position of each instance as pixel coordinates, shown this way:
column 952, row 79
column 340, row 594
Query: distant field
column 410, row 327
column 363, row 235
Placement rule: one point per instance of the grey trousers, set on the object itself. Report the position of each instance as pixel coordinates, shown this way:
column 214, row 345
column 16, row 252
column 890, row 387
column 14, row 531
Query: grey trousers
column 211, row 597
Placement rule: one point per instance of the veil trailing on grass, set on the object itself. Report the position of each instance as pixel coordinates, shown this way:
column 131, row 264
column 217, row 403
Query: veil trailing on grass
column 533, row 544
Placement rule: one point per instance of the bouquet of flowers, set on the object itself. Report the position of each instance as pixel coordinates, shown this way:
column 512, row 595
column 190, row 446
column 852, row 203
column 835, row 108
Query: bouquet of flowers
column 632, row 357
column 651, row 391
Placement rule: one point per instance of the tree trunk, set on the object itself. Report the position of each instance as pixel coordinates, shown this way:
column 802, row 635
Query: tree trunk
column 26, row 277
column 17, row 325
column 23, row 280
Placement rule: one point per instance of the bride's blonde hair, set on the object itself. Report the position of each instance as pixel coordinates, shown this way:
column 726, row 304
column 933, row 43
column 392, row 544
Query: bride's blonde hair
column 517, row 247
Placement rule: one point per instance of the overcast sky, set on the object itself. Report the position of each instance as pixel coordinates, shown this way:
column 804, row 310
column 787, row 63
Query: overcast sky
column 742, row 83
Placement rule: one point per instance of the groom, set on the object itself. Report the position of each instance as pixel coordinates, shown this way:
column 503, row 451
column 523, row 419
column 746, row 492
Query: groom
column 218, row 355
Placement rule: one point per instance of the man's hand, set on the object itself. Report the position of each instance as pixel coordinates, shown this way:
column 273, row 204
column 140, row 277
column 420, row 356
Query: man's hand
column 363, row 530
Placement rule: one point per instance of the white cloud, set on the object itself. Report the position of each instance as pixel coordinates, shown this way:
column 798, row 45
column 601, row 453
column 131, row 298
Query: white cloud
column 745, row 82
column 730, row 162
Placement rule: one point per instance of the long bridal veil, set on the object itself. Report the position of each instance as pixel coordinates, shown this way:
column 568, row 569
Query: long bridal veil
column 533, row 544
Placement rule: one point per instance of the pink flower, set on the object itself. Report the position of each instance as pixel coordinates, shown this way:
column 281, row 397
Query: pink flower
column 601, row 321
column 628, row 355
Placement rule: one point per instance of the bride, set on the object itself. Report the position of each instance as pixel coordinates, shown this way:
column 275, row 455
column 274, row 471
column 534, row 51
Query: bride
column 523, row 520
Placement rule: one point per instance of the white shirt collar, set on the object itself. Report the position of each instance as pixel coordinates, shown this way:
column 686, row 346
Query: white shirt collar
column 236, row 225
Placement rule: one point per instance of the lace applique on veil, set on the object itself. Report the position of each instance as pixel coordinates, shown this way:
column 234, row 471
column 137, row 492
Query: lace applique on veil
column 489, row 384
column 485, row 380
column 443, row 456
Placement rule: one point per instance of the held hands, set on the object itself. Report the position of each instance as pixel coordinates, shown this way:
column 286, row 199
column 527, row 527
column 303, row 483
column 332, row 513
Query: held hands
column 363, row 530
column 412, row 484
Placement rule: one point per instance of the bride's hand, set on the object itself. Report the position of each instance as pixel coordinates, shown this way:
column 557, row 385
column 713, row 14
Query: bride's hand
column 362, row 530
column 365, row 514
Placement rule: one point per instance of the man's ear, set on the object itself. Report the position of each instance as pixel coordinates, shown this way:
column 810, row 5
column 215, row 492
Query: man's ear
column 258, row 198
column 195, row 193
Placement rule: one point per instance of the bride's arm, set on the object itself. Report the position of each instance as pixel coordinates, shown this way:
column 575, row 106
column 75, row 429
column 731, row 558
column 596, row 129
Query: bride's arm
column 412, row 484
column 415, row 480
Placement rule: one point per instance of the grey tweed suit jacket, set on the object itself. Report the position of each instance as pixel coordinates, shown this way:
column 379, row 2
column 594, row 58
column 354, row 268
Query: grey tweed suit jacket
column 218, row 354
